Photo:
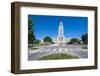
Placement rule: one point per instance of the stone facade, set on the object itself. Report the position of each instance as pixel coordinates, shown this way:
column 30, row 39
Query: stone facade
column 60, row 37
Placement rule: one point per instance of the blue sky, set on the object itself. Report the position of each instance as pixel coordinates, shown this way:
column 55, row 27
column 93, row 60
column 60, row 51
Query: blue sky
column 44, row 26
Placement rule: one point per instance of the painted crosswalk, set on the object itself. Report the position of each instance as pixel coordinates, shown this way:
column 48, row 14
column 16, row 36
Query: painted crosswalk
column 62, row 49
column 73, row 50
column 59, row 50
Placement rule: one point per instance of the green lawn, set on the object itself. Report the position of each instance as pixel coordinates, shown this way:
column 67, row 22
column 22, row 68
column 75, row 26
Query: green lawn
column 37, row 45
column 84, row 46
column 58, row 56
column 34, row 48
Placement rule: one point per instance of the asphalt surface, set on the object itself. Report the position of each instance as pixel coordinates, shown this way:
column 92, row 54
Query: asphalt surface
column 74, row 50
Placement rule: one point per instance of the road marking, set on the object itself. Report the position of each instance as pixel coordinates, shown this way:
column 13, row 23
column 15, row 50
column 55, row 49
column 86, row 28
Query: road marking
column 71, row 49
column 48, row 50
column 54, row 50
column 66, row 49
column 60, row 49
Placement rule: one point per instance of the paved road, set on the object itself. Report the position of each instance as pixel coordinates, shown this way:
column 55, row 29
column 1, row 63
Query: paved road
column 74, row 50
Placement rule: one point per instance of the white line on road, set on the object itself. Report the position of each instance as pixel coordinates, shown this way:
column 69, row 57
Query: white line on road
column 66, row 49
column 72, row 49
column 54, row 50
column 60, row 49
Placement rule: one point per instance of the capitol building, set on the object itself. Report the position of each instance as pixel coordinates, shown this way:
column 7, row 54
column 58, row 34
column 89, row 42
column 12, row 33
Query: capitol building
column 60, row 37
column 60, row 40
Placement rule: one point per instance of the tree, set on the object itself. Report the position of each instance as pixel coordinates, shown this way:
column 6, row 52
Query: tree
column 48, row 39
column 85, row 38
column 74, row 40
column 31, row 36
column 37, row 42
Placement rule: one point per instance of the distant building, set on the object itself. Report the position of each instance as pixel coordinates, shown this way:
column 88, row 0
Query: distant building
column 60, row 37
column 60, row 40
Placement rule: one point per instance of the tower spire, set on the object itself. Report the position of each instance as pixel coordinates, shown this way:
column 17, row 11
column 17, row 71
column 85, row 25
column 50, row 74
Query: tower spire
column 60, row 38
column 60, row 20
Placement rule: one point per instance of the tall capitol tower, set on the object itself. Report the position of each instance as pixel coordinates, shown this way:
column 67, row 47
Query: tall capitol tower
column 60, row 37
